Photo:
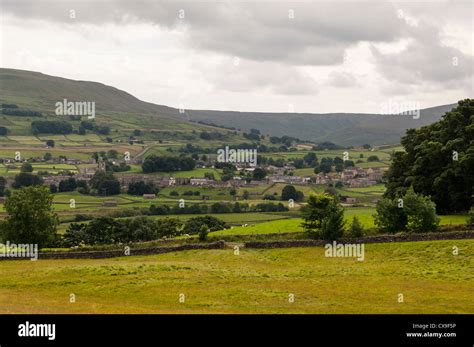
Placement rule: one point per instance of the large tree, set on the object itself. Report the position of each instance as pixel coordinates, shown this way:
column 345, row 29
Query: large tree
column 30, row 217
column 438, row 161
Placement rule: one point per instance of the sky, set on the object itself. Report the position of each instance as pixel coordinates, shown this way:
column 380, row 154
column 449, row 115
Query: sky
column 274, row 56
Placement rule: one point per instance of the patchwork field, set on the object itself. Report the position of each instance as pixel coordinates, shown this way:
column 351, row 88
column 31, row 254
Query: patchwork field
column 427, row 274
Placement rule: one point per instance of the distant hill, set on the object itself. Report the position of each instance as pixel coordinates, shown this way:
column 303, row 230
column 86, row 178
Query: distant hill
column 340, row 128
column 40, row 92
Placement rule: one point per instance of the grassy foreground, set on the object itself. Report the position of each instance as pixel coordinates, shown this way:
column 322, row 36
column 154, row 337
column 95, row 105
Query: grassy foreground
column 430, row 277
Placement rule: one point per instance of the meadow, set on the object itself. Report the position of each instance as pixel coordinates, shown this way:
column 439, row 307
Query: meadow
column 427, row 274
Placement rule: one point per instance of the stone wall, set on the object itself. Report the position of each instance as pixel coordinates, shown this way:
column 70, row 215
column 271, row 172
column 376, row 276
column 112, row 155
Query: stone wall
column 121, row 252
column 406, row 237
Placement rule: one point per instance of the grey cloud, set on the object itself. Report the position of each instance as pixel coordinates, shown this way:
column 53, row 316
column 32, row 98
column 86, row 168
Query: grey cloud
column 342, row 80
column 317, row 35
column 250, row 76
column 425, row 59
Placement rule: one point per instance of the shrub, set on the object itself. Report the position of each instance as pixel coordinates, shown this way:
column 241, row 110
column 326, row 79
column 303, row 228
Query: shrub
column 193, row 225
column 413, row 212
column 356, row 229
column 203, row 231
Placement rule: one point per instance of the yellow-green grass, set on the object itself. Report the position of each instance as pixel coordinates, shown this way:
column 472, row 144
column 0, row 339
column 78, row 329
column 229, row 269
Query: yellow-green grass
column 27, row 140
column 430, row 277
column 365, row 216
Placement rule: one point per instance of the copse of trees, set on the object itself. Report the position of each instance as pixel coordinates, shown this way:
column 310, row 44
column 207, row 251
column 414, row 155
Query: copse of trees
column 289, row 192
column 411, row 212
column 140, row 188
column 30, row 217
column 193, row 225
column 26, row 179
column 105, row 183
column 438, row 161
column 51, row 127
column 20, row 113
column 154, row 163
column 106, row 230
column 67, row 185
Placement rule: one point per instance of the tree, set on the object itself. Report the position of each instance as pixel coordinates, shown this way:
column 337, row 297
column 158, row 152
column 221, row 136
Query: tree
column 67, row 185
column 323, row 217
column 193, row 225
column 26, row 167
column 288, row 192
column 3, row 131
column 356, row 229
column 26, row 179
column 389, row 216
column 3, row 184
column 332, row 227
column 438, row 161
column 413, row 212
column 470, row 221
column 373, row 158
column 47, row 156
column 259, row 174
column 154, row 163
column 140, row 188
column 30, row 217
column 203, row 231
column 420, row 211
column 310, row 159
column 51, row 127
column 50, row 143
column 325, row 166
column 105, row 183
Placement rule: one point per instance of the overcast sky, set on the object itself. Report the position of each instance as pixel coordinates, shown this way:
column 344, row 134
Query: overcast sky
column 304, row 56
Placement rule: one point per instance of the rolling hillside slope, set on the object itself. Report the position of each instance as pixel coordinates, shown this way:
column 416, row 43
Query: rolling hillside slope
column 40, row 92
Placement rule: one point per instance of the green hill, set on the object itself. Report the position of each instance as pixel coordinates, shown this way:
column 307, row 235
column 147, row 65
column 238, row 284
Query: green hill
column 340, row 128
column 122, row 111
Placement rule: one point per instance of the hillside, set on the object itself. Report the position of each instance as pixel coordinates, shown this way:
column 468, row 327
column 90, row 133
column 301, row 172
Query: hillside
column 340, row 128
column 40, row 92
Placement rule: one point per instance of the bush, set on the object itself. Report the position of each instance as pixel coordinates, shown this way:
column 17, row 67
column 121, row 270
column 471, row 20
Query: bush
column 470, row 221
column 194, row 225
column 356, row 229
column 203, row 231
column 413, row 212
column 373, row 158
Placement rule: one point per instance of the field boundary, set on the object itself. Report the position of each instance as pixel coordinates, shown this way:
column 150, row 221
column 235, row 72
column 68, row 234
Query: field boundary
column 408, row 237
column 121, row 252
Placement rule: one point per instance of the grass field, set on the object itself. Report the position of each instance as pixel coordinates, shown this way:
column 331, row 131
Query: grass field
column 430, row 277
column 365, row 216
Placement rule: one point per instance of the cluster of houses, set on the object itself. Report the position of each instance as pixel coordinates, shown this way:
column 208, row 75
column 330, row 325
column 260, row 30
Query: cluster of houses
column 353, row 177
